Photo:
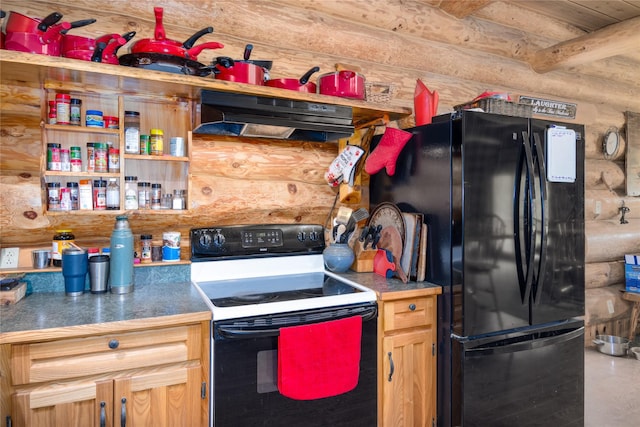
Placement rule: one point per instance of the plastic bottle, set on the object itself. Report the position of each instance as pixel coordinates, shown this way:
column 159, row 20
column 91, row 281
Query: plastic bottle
column 121, row 252
column 113, row 195
column 131, row 192
column 132, row 132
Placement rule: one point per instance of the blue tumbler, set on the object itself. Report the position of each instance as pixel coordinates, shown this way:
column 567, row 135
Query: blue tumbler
column 74, row 269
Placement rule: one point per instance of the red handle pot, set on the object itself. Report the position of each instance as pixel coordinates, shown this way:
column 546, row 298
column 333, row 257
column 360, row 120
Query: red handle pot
column 345, row 84
column 160, row 44
column 34, row 35
column 301, row 85
column 239, row 71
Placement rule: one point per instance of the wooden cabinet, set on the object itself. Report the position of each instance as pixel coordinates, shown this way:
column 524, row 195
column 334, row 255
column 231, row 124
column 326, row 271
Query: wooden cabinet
column 171, row 115
column 156, row 377
column 407, row 360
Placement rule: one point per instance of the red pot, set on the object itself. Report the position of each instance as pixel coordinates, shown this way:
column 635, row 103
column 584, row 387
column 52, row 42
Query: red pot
column 160, row 44
column 33, row 35
column 100, row 52
column 345, row 84
column 227, row 69
column 301, row 85
column 83, row 47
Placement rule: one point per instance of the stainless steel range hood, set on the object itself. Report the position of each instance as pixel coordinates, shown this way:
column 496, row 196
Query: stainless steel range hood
column 224, row 113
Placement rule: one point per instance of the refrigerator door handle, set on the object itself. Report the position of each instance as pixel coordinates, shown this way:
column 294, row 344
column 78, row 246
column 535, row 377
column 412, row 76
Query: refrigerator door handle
column 530, row 193
column 537, row 295
column 525, row 345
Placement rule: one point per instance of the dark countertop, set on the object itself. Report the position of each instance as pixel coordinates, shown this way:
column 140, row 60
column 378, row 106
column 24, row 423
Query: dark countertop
column 392, row 288
column 50, row 315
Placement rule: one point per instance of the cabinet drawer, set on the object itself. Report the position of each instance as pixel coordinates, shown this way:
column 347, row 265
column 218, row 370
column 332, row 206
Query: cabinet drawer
column 408, row 313
column 76, row 357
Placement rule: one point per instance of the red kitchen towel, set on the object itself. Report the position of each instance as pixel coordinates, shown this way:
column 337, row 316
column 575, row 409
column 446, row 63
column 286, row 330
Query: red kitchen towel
column 319, row 360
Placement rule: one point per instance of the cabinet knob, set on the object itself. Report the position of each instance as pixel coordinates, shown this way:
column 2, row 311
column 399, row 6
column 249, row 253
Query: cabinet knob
column 114, row 344
column 412, row 307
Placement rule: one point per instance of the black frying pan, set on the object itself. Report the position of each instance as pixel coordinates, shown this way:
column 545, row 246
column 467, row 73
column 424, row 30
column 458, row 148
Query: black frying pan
column 164, row 62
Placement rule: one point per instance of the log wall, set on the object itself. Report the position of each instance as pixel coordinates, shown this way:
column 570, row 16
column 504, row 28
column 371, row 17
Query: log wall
column 390, row 41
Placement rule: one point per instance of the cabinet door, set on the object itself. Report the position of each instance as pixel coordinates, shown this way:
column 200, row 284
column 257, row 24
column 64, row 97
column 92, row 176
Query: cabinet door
column 75, row 404
column 408, row 390
column 159, row 398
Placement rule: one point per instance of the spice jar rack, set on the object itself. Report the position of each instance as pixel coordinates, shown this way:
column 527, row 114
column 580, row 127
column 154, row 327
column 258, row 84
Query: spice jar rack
column 169, row 172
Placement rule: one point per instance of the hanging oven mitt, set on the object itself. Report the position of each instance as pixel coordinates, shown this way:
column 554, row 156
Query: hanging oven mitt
column 387, row 151
column 344, row 166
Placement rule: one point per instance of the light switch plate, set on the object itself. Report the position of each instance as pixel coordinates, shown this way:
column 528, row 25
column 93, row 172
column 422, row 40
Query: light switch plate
column 9, row 257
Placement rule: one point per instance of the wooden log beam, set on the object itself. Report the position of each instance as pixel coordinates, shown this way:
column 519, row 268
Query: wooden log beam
column 615, row 39
column 610, row 241
column 462, row 8
column 603, row 274
column 604, row 304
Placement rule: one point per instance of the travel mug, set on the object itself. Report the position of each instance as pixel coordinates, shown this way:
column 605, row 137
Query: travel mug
column 99, row 273
column 74, row 270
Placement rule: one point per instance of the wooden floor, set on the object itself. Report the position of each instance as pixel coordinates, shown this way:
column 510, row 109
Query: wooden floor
column 612, row 389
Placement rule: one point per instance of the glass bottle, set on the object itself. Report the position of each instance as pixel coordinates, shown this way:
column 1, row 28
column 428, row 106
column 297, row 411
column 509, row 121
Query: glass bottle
column 131, row 192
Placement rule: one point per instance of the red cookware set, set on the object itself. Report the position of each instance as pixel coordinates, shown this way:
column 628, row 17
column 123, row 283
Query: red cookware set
column 49, row 36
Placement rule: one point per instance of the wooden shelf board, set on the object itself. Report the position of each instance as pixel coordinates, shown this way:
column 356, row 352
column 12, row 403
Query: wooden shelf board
column 31, row 69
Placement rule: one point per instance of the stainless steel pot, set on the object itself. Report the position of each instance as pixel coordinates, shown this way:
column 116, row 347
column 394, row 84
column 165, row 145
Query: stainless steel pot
column 612, row 345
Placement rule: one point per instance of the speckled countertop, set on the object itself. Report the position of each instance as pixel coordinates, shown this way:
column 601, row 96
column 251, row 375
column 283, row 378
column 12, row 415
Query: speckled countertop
column 49, row 315
column 392, row 288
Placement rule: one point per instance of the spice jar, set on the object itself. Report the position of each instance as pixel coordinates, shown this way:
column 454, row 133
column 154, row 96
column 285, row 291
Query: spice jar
column 111, row 122
column 101, row 157
column 63, row 103
column 75, row 112
column 145, row 145
column 114, row 160
column 156, row 196
column 62, row 240
column 99, row 194
column 76, row 159
column 144, row 195
column 74, row 193
column 156, row 250
column 91, row 157
column 53, row 196
column 131, row 192
column 65, row 160
column 53, row 157
column 157, row 142
column 145, row 249
column 113, row 195
column 132, row 132
column 178, row 199
column 53, row 113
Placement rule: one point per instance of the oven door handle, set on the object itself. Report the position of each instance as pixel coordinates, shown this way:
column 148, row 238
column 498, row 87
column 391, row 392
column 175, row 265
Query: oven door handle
column 231, row 331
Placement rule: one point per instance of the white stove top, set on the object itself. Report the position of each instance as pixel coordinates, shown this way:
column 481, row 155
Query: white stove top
column 279, row 276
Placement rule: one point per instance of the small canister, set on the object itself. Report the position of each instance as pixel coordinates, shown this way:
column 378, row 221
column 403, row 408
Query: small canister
column 75, row 112
column 145, row 249
column 171, row 246
column 111, row 122
column 144, row 198
column 131, row 192
column 177, row 146
column 145, row 145
column 157, row 142
column 93, row 119
column 63, row 102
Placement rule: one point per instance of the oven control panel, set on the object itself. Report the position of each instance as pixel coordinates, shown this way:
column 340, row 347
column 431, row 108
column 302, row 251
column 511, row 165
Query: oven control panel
column 237, row 241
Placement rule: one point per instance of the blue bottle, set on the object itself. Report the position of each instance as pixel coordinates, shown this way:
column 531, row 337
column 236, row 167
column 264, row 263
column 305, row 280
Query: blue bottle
column 121, row 263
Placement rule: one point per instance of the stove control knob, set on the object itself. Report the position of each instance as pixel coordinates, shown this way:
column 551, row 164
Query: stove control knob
column 219, row 239
column 205, row 240
column 301, row 236
column 314, row 236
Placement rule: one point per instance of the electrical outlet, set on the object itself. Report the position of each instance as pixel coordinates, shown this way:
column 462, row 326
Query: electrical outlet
column 9, row 257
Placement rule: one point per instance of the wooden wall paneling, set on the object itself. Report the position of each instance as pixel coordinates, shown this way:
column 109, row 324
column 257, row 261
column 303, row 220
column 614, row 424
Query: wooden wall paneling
column 603, row 274
column 632, row 163
column 610, row 240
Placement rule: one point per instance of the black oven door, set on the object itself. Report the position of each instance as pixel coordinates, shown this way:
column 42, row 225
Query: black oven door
column 245, row 391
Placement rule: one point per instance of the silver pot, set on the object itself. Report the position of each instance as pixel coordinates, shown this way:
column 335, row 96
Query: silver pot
column 612, row 345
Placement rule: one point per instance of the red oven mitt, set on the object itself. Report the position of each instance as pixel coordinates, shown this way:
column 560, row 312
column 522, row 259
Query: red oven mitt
column 387, row 151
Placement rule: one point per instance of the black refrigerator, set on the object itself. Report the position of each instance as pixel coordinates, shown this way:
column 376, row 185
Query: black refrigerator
column 503, row 200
